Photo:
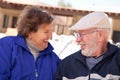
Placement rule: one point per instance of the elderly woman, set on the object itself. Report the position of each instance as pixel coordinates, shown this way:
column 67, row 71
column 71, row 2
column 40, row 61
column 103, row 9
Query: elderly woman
column 29, row 55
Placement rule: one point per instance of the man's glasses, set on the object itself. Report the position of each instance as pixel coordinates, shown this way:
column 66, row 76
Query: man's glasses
column 78, row 35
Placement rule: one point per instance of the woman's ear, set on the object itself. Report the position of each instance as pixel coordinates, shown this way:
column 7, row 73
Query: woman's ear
column 29, row 36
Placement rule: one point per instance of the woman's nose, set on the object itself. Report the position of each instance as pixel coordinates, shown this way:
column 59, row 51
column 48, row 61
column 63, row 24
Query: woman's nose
column 50, row 35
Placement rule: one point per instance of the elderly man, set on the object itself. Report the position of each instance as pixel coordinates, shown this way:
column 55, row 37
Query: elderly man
column 97, row 59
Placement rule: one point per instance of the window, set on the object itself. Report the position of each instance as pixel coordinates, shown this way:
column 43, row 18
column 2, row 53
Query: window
column 60, row 29
column 14, row 20
column 116, row 36
column 5, row 23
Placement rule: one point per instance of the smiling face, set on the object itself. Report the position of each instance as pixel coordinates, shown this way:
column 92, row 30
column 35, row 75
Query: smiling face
column 41, row 37
column 88, row 42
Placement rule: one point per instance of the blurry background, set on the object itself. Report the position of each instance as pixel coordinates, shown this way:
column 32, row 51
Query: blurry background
column 65, row 13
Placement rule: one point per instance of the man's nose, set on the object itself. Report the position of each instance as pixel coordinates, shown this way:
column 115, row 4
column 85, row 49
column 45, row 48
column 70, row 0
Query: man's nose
column 78, row 39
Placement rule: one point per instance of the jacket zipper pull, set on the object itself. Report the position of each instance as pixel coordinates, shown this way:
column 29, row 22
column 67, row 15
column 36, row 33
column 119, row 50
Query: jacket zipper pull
column 36, row 73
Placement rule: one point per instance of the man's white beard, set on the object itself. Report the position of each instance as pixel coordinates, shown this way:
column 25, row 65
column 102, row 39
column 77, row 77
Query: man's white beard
column 89, row 51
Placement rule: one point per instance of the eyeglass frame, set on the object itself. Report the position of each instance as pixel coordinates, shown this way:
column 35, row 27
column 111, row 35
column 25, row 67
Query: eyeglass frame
column 79, row 35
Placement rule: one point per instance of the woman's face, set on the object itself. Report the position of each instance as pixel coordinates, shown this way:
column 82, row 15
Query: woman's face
column 40, row 38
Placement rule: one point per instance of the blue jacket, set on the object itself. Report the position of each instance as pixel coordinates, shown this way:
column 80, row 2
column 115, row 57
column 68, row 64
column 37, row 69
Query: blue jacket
column 17, row 62
column 74, row 67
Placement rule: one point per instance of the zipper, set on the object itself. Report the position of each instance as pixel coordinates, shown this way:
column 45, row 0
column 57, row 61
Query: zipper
column 36, row 73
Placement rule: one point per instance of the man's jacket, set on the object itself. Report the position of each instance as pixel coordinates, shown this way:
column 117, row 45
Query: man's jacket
column 17, row 62
column 74, row 67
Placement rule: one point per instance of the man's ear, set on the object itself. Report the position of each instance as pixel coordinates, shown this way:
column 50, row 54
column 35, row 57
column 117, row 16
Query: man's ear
column 101, row 35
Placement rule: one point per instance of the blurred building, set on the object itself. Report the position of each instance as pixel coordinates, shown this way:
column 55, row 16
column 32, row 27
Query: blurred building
column 63, row 17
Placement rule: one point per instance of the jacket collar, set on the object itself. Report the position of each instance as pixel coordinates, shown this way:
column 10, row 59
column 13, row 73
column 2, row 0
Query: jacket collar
column 79, row 56
column 111, row 50
column 20, row 40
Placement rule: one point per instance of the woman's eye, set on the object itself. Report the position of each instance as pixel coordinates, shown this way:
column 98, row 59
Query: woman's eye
column 45, row 32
